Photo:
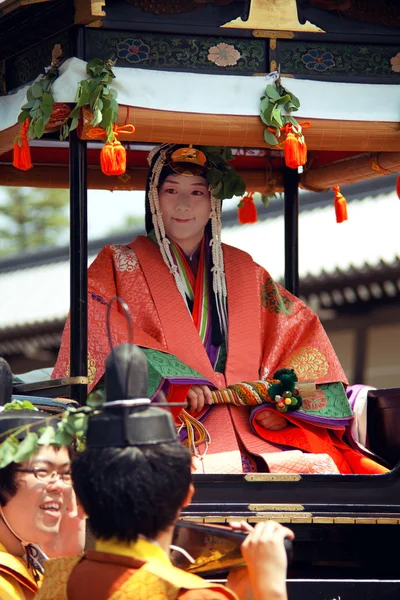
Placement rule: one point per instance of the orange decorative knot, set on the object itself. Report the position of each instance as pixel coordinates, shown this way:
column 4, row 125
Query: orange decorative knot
column 247, row 212
column 295, row 148
column 340, row 205
column 113, row 153
column 21, row 150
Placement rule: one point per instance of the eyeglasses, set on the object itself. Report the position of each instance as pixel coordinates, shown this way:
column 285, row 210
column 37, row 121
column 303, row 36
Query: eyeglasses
column 48, row 476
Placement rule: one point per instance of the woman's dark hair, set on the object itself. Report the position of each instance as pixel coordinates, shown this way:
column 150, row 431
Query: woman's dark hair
column 130, row 491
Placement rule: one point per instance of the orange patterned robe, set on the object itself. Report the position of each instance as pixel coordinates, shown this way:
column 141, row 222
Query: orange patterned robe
column 268, row 329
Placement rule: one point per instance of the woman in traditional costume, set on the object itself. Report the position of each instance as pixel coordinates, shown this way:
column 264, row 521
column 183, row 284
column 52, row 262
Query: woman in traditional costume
column 36, row 505
column 210, row 318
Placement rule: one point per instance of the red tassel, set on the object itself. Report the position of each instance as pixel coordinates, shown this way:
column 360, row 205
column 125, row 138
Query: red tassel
column 398, row 186
column 295, row 150
column 21, row 150
column 247, row 212
column 113, row 158
column 340, row 205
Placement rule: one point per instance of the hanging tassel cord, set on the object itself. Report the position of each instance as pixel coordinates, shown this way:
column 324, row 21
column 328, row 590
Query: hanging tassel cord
column 99, row 132
column 247, row 210
column 295, row 147
column 197, row 434
column 21, row 150
column 340, row 204
column 113, row 153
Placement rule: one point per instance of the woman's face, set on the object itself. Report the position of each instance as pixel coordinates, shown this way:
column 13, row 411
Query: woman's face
column 185, row 205
column 36, row 510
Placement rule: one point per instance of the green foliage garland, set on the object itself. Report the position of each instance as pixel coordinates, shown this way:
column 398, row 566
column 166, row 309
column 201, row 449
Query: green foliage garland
column 40, row 100
column 276, row 111
column 101, row 99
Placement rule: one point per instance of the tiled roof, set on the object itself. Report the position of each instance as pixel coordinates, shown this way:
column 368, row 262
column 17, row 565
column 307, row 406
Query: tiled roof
column 35, row 288
column 367, row 238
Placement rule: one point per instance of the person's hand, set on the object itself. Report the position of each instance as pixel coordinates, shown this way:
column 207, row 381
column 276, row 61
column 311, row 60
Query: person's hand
column 72, row 534
column 198, row 396
column 269, row 419
column 266, row 559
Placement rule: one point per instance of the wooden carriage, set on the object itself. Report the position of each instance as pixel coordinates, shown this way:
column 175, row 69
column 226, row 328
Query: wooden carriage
column 193, row 72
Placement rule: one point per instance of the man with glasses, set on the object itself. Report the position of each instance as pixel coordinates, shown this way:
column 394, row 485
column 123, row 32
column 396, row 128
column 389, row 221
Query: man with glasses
column 38, row 512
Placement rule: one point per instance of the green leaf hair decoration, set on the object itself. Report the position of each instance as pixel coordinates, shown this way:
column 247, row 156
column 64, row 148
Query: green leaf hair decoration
column 71, row 428
column 223, row 178
column 96, row 93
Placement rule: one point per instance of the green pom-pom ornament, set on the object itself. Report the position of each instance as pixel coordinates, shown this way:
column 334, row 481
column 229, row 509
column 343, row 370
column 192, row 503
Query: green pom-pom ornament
column 285, row 393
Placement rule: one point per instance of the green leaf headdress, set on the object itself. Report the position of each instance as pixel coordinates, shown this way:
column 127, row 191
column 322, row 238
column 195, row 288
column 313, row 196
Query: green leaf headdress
column 24, row 429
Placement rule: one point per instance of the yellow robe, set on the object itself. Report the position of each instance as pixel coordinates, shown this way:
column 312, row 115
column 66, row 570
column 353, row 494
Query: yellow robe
column 156, row 579
column 15, row 577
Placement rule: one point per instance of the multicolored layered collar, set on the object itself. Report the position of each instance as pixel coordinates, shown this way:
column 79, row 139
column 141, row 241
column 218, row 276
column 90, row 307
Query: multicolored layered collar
column 196, row 287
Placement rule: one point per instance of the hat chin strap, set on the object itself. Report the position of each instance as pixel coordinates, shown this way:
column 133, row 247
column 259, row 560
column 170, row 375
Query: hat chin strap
column 34, row 554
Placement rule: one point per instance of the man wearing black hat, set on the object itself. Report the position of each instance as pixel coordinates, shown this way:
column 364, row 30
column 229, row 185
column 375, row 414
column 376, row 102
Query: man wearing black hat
column 38, row 513
column 132, row 480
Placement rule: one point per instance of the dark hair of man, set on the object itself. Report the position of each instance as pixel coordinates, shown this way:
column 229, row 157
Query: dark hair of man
column 8, row 483
column 130, row 491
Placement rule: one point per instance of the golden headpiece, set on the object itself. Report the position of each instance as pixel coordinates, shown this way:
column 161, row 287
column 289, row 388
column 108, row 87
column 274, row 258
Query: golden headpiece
column 188, row 161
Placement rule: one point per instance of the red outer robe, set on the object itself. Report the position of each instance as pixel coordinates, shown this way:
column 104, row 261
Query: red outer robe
column 268, row 329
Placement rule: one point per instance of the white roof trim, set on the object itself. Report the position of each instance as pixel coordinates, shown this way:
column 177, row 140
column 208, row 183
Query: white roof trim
column 222, row 94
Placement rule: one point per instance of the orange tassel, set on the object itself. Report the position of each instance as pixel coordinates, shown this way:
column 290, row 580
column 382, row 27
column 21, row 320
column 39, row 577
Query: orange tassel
column 292, row 151
column 295, row 147
column 398, row 186
column 340, row 205
column 21, row 150
column 247, row 212
column 113, row 154
column 113, row 158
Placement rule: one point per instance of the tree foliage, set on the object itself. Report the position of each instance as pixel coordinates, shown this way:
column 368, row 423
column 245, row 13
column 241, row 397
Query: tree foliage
column 32, row 218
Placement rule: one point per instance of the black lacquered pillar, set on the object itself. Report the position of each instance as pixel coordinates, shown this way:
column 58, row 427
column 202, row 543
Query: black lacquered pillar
column 291, row 189
column 78, row 264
